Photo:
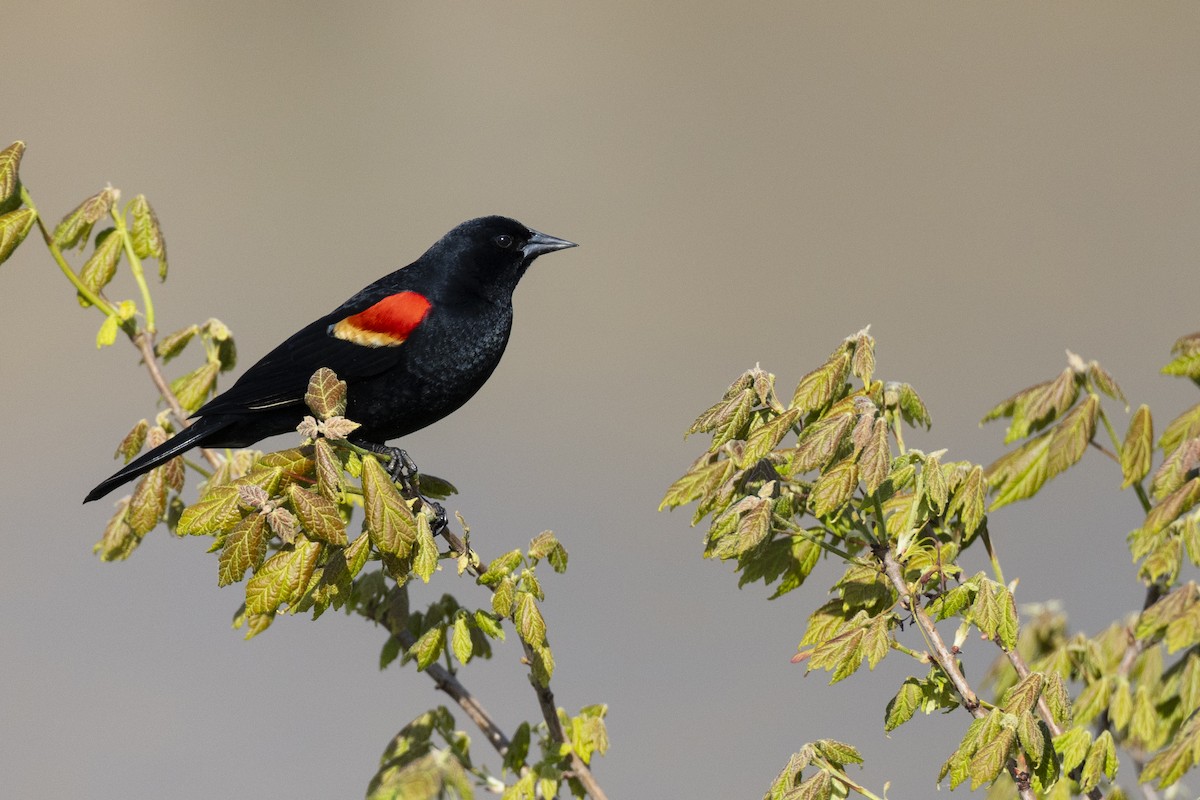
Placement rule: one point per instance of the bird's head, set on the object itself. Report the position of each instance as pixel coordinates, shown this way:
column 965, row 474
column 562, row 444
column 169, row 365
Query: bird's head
column 490, row 254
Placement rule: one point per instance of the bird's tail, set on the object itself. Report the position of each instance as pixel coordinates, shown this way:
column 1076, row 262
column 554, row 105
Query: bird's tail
column 186, row 439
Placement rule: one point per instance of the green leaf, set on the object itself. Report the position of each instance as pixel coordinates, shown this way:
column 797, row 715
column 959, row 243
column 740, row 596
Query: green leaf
column 319, row 516
column 834, row 488
column 330, row 482
column 862, row 363
column 1030, row 734
column 1172, row 506
column 1056, row 697
column 428, row 648
column 875, row 461
column 118, row 541
column 1175, row 468
column 245, row 548
column 148, row 241
column 820, row 442
column 148, row 503
column 995, row 614
column 132, row 444
column 1184, row 427
column 326, row 395
column 766, row 437
column 426, row 559
column 193, row 388
column 1072, row 747
column 1101, row 761
column 102, row 265
column 76, row 227
column 989, row 759
column 1173, row 761
column 504, row 597
column 173, row 345
column 531, row 627
column 937, row 491
column 461, row 641
column 10, row 163
column 1022, row 697
column 912, row 407
column 820, row 387
column 107, row 334
column 390, row 523
column 1093, row 700
column 215, row 510
column 14, row 227
column 390, row 651
column 282, row 578
column 901, row 708
column 968, row 501
column 1138, row 447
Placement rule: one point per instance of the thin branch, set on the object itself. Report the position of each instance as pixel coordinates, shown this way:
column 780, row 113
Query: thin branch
column 545, row 696
column 144, row 342
column 947, row 662
column 445, row 680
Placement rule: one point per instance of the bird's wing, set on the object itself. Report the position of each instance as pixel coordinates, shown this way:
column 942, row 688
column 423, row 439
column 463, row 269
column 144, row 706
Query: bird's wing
column 362, row 338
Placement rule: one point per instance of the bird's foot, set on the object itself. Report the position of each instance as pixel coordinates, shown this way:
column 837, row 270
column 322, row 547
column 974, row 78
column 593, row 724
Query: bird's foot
column 403, row 471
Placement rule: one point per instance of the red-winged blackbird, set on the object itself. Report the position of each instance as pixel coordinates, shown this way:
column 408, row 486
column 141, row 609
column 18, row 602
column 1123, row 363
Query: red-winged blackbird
column 412, row 347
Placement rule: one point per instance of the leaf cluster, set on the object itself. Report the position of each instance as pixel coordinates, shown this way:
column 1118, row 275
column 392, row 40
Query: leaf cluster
column 828, row 476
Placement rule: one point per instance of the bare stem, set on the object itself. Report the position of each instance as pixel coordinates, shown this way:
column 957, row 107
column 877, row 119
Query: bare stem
column 144, row 342
column 946, row 661
column 545, row 696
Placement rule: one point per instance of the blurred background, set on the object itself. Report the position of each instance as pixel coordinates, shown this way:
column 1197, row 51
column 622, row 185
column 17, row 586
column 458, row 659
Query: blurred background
column 986, row 185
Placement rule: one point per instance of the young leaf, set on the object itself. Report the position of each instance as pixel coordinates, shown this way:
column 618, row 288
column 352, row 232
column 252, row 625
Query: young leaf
column 834, row 488
column 326, row 395
column 148, row 503
column 102, row 266
column 820, row 387
column 461, row 641
column 901, row 708
column 876, row 458
column 282, row 578
column 14, row 227
column 1139, row 444
column 10, row 163
column 428, row 648
column 192, row 389
column 245, row 548
column 531, row 627
column 426, row 558
column 173, row 345
column 148, row 241
column 390, row 523
column 319, row 516
column 76, row 227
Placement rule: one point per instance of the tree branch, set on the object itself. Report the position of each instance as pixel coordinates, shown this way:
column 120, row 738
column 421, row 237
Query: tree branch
column 946, row 661
column 144, row 342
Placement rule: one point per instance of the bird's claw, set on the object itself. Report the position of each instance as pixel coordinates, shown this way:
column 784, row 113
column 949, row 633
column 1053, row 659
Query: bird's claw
column 403, row 471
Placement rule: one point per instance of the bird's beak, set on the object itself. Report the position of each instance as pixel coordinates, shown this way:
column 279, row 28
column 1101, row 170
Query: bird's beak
column 540, row 243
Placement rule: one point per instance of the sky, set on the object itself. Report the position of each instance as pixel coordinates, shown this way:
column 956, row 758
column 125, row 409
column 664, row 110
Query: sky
column 986, row 185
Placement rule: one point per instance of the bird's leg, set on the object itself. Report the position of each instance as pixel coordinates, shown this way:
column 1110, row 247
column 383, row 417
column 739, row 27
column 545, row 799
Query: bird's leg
column 403, row 470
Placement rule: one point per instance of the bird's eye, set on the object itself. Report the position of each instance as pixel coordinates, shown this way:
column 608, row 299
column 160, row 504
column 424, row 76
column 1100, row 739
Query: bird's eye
column 503, row 240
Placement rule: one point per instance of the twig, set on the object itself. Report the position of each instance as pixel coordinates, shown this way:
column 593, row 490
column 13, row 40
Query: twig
column 446, row 681
column 554, row 724
column 946, row 660
column 143, row 341
column 545, row 696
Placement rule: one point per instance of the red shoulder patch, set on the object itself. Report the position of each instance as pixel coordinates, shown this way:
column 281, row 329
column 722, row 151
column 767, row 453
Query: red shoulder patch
column 385, row 324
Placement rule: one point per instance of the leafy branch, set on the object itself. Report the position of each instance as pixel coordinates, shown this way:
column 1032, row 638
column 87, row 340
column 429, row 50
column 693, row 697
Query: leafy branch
column 829, row 476
column 280, row 523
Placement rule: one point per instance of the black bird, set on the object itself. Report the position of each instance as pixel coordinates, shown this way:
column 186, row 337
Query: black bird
column 412, row 347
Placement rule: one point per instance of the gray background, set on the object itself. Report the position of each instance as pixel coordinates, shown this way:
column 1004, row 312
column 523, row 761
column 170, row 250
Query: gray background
column 986, row 185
